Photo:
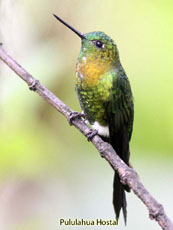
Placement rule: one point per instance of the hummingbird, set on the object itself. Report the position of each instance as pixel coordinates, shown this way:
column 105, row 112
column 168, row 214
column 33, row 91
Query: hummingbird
column 106, row 99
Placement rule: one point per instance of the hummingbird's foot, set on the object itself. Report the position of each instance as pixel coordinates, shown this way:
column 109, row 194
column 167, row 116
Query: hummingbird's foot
column 74, row 115
column 92, row 133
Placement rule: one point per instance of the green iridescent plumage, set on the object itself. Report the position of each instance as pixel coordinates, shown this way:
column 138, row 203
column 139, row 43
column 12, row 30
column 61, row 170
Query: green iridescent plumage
column 92, row 99
column 105, row 96
column 97, row 89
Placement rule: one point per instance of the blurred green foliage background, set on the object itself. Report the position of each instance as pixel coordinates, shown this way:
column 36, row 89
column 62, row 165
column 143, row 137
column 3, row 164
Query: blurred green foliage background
column 47, row 169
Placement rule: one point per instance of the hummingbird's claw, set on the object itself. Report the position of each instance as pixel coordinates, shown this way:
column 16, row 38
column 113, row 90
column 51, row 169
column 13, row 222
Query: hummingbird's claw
column 92, row 133
column 74, row 115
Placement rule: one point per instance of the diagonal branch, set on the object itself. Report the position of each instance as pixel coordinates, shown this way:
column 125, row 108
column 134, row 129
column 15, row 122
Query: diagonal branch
column 126, row 174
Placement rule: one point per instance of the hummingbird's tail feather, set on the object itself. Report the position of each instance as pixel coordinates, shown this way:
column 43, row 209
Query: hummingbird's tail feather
column 120, row 143
column 119, row 198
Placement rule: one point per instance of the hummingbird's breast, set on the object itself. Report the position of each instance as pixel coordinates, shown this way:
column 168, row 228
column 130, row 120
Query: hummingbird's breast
column 92, row 70
column 93, row 86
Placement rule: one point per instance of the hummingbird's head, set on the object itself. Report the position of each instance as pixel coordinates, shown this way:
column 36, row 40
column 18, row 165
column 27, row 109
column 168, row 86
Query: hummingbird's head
column 96, row 46
column 99, row 46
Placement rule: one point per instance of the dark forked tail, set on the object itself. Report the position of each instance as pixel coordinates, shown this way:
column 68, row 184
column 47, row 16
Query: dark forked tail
column 119, row 198
column 120, row 142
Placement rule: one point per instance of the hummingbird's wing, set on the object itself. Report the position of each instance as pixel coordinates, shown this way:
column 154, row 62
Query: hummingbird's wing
column 120, row 109
column 120, row 114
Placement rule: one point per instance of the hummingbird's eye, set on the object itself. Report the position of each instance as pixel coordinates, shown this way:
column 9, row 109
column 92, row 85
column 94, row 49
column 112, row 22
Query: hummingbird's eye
column 99, row 44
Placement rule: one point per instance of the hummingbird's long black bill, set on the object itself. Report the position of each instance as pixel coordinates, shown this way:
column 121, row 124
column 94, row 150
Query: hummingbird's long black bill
column 82, row 36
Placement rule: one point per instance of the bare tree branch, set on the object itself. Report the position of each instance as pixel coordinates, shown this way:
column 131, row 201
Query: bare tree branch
column 126, row 174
